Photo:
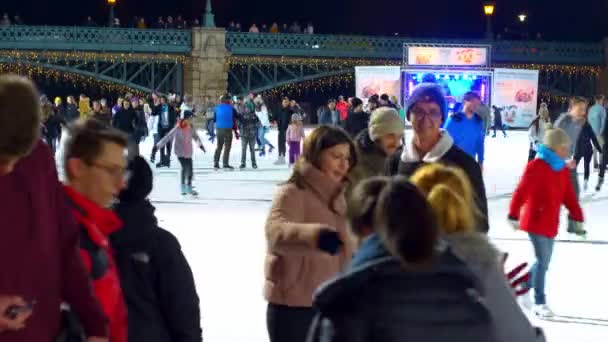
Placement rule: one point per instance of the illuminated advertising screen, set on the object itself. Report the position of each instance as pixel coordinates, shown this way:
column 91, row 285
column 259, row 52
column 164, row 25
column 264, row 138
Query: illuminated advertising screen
column 453, row 56
column 515, row 93
column 377, row 80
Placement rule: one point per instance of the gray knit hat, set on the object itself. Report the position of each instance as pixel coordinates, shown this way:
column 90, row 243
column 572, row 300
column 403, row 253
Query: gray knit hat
column 556, row 137
column 385, row 120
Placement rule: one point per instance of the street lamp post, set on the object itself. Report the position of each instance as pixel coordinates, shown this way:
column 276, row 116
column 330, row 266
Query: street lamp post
column 522, row 21
column 111, row 3
column 488, row 10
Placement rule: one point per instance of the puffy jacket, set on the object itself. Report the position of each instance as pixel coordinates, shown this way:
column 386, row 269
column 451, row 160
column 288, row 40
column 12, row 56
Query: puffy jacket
column 182, row 137
column 377, row 299
column 468, row 134
column 539, row 196
column 156, row 279
column 96, row 224
column 294, row 265
column 224, row 116
column 342, row 107
column 125, row 120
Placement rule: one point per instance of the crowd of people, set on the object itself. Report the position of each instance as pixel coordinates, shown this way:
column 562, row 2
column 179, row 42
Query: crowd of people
column 235, row 26
column 369, row 235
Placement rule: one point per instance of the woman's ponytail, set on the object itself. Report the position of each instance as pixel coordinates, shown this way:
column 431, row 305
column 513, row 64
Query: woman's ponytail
column 452, row 212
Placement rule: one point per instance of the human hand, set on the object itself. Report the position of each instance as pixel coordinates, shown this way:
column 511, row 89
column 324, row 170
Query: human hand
column 514, row 223
column 17, row 321
column 329, row 241
column 571, row 164
column 517, row 277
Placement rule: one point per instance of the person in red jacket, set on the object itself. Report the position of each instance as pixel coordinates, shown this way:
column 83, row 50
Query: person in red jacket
column 342, row 107
column 95, row 167
column 536, row 203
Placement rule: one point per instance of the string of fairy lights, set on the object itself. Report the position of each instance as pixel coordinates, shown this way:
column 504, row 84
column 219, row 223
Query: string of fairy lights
column 330, row 83
column 14, row 61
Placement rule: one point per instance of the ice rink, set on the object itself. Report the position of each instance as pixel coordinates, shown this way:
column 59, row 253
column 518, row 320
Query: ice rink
column 222, row 235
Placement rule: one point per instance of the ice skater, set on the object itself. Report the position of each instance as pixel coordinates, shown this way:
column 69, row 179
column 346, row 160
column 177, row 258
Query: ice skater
column 295, row 135
column 498, row 121
column 584, row 150
column 183, row 134
column 535, row 207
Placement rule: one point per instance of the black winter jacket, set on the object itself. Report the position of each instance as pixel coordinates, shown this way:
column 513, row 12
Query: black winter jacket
column 356, row 123
column 380, row 301
column 125, row 120
column 585, row 139
column 71, row 113
column 445, row 152
column 156, row 280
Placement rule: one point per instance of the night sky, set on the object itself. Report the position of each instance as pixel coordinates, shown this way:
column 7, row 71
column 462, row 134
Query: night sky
column 580, row 20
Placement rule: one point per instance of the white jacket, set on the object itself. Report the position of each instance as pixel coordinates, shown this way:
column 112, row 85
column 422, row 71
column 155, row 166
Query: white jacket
column 263, row 116
column 153, row 124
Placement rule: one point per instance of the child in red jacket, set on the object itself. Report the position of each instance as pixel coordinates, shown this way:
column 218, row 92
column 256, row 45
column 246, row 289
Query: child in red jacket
column 536, row 204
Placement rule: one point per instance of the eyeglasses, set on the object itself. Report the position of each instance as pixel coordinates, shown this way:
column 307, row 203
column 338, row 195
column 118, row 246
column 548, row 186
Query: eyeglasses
column 116, row 172
column 420, row 113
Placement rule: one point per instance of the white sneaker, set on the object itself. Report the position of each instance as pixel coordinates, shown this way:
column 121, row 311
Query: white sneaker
column 543, row 311
column 280, row 161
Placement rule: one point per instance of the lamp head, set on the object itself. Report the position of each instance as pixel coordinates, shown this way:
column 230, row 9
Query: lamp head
column 522, row 17
column 488, row 8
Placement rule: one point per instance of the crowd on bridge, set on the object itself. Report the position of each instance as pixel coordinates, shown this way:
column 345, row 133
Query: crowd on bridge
column 369, row 235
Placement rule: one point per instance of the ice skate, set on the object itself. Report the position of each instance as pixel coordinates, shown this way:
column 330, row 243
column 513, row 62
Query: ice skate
column 254, row 166
column 600, row 182
column 280, row 161
column 585, row 185
column 192, row 191
column 184, row 189
column 243, row 166
column 543, row 311
column 216, row 167
column 228, row 168
column 525, row 301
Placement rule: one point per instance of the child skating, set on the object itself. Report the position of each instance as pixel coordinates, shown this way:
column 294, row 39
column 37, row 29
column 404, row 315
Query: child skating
column 183, row 134
column 295, row 135
column 535, row 207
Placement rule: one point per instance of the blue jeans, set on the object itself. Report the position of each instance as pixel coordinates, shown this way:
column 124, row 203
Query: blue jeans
column 262, row 131
column 335, row 118
column 543, row 249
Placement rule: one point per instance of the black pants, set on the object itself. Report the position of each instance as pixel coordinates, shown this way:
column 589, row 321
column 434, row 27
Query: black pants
column 224, row 142
column 165, row 151
column 287, row 324
column 586, row 163
column 531, row 154
column 248, row 140
column 156, row 138
column 282, row 142
column 502, row 128
column 186, row 164
column 604, row 161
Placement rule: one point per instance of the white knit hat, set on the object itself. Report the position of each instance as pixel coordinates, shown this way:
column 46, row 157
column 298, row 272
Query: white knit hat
column 384, row 121
column 555, row 138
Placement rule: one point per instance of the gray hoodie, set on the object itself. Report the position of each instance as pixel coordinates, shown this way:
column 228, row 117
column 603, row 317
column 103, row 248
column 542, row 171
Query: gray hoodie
column 483, row 258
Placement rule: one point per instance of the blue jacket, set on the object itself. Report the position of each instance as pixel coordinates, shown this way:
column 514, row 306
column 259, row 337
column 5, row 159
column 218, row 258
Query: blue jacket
column 468, row 134
column 224, row 116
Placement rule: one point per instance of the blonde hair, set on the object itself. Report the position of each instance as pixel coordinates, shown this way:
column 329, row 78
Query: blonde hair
column 556, row 137
column 451, row 195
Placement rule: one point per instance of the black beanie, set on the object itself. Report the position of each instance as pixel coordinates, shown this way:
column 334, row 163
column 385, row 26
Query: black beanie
column 427, row 92
column 140, row 182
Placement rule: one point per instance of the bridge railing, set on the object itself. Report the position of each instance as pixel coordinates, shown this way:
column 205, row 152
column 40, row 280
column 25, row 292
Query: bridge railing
column 95, row 39
column 306, row 45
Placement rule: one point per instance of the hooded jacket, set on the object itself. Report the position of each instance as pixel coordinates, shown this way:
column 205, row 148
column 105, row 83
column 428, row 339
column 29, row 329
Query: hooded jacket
column 39, row 253
column 157, row 281
column 96, row 224
column 294, row 265
column 356, row 122
column 407, row 161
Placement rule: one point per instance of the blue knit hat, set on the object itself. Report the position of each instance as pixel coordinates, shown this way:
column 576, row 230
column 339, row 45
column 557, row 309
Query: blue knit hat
column 428, row 92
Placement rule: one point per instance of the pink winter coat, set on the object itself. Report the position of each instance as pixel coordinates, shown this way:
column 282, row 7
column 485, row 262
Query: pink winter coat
column 295, row 133
column 294, row 266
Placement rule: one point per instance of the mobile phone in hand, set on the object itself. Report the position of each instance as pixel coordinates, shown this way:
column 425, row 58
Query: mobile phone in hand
column 15, row 310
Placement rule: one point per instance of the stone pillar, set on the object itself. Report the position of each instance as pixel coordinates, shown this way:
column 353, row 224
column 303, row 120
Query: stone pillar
column 205, row 72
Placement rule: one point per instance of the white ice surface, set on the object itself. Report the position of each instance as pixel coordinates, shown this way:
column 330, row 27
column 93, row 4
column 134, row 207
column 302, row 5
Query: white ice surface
column 222, row 235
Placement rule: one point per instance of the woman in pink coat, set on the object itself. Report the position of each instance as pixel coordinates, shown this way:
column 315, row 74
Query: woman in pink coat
column 306, row 232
